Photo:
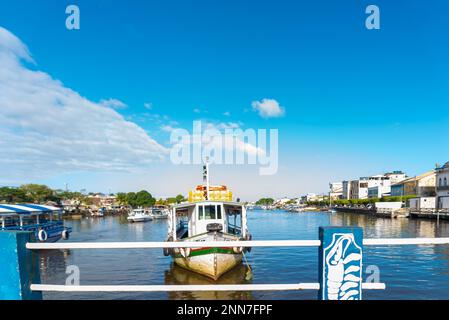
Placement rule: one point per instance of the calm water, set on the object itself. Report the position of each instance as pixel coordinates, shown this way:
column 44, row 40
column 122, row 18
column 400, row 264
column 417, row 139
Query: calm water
column 410, row 272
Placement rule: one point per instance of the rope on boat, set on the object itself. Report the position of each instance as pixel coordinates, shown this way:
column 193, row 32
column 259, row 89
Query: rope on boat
column 249, row 273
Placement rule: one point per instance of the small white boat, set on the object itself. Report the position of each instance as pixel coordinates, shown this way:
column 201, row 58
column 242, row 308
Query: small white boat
column 210, row 215
column 139, row 215
column 160, row 213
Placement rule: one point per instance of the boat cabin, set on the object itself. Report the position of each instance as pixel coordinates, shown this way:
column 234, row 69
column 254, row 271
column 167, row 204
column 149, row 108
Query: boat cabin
column 45, row 221
column 191, row 219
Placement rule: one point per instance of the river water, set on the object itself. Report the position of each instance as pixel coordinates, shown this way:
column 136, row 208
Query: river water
column 410, row 272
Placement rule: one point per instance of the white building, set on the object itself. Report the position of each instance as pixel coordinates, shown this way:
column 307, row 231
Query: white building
column 379, row 185
column 396, row 176
column 442, row 186
column 346, row 189
column 422, row 203
column 311, row 197
column 336, row 190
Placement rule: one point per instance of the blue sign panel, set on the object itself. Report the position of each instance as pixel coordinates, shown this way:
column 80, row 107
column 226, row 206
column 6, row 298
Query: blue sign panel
column 340, row 263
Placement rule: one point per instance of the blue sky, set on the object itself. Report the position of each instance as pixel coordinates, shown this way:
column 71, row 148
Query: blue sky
column 356, row 101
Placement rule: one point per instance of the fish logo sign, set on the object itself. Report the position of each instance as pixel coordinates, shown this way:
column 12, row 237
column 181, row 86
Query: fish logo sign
column 341, row 263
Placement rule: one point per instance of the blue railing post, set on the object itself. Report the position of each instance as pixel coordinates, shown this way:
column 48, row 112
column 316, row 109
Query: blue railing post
column 19, row 267
column 340, row 263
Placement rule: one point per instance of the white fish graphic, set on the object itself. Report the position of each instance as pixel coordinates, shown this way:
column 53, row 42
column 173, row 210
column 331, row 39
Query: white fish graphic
column 343, row 265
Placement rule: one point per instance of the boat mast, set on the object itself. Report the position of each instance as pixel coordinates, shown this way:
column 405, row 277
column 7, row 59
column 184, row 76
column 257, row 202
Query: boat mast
column 206, row 177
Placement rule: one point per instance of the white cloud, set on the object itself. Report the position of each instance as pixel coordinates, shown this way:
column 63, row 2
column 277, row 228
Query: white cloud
column 47, row 128
column 268, row 108
column 148, row 105
column 196, row 110
column 167, row 128
column 113, row 104
column 227, row 113
column 226, row 142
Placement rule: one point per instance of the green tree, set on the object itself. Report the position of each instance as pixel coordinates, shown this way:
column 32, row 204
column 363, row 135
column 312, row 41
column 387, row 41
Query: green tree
column 39, row 193
column 13, row 195
column 141, row 199
column 180, row 198
column 265, row 202
column 122, row 199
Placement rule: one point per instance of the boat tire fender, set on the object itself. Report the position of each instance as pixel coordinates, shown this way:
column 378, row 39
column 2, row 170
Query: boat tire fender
column 168, row 251
column 237, row 249
column 65, row 234
column 249, row 237
column 42, row 235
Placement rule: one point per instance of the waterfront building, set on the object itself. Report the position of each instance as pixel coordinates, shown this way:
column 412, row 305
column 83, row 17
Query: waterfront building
column 396, row 176
column 282, row 201
column 346, row 189
column 336, row 190
column 379, row 191
column 360, row 188
column 311, row 197
column 422, row 203
column 100, row 200
column 421, row 186
column 442, row 187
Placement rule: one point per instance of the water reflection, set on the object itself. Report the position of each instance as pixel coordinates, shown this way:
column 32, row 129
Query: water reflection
column 410, row 272
column 180, row 276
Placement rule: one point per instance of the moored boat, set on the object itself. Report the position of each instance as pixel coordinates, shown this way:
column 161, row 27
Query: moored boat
column 160, row 213
column 139, row 215
column 210, row 215
column 44, row 221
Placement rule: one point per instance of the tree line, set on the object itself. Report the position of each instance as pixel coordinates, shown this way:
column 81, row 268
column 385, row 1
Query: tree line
column 265, row 202
column 36, row 193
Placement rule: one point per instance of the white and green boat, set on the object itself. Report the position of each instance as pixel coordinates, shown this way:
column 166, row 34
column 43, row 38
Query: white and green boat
column 210, row 215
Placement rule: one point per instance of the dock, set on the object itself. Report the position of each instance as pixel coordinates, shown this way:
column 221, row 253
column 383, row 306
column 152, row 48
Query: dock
column 430, row 214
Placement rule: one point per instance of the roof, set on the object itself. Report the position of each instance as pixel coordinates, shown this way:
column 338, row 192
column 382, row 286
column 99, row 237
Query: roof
column 189, row 204
column 26, row 209
column 417, row 178
column 445, row 166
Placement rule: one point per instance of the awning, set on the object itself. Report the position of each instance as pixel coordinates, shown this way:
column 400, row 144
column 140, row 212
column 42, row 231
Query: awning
column 6, row 209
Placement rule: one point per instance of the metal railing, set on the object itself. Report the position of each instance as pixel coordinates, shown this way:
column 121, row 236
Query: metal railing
column 170, row 288
column 331, row 277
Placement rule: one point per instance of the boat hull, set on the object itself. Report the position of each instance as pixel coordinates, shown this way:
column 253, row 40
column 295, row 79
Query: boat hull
column 140, row 219
column 210, row 262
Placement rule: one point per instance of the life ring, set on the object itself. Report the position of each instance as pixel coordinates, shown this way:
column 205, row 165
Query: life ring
column 185, row 252
column 65, row 234
column 237, row 250
column 42, row 235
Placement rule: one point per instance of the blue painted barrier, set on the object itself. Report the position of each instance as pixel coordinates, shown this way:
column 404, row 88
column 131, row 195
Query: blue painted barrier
column 340, row 263
column 19, row 267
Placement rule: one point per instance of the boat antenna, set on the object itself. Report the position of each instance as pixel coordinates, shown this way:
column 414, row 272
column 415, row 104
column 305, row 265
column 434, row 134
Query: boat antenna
column 206, row 177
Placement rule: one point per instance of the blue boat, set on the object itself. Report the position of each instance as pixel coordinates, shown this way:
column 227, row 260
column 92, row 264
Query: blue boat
column 45, row 221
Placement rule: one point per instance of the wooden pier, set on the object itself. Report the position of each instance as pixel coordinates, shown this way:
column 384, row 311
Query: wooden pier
column 430, row 214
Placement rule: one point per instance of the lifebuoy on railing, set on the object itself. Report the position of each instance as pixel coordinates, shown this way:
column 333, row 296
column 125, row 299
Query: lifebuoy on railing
column 65, row 234
column 42, row 235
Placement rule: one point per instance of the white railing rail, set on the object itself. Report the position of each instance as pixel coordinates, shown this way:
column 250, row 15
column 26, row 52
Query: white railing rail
column 253, row 243
column 205, row 287
column 224, row 287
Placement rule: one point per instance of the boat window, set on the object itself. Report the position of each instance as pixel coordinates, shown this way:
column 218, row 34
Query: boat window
column 200, row 212
column 209, row 212
column 234, row 218
column 218, row 211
